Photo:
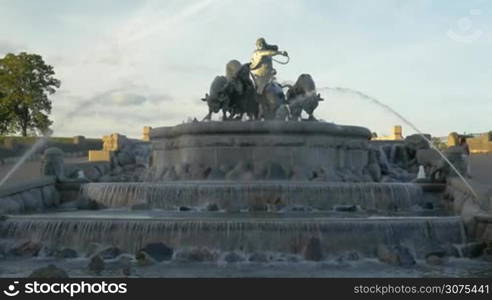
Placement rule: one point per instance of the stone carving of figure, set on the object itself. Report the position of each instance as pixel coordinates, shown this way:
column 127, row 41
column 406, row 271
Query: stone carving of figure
column 52, row 163
column 262, row 64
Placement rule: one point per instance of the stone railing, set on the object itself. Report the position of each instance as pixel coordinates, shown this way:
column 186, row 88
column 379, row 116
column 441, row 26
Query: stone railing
column 29, row 196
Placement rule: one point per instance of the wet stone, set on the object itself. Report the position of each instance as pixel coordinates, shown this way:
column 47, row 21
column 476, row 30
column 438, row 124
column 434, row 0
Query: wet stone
column 349, row 256
column 258, row 257
column 96, row 264
column 212, row 207
column 66, row 253
column 49, row 272
column 345, row 208
column 196, row 255
column 395, row 255
column 435, row 250
column 470, row 250
column 300, row 208
column 276, row 172
column 143, row 259
column 109, row 253
column 233, row 257
column 434, row 260
column 158, row 251
column 313, row 250
column 25, row 249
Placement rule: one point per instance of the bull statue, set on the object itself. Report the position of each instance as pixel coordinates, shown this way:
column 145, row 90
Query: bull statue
column 252, row 89
column 234, row 94
column 243, row 94
column 272, row 103
column 302, row 96
column 218, row 98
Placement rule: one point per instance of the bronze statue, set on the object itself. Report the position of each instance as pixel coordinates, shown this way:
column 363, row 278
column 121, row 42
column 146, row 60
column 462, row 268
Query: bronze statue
column 262, row 64
column 251, row 89
column 302, row 96
column 218, row 98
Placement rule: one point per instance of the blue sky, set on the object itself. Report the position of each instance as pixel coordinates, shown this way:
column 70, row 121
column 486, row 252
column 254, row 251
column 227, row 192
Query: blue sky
column 127, row 64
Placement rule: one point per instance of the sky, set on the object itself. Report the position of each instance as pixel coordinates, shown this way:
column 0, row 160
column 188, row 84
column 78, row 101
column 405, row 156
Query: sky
column 128, row 64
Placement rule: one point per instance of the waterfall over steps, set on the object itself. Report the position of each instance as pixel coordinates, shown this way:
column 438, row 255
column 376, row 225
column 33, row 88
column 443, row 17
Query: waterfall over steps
column 230, row 232
column 318, row 195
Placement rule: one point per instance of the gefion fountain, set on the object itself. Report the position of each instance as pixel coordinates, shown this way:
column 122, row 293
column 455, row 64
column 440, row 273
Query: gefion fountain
column 274, row 183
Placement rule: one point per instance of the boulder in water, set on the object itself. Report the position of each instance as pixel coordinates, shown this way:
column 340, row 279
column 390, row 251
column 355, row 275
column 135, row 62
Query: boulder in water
column 345, row 208
column 29, row 248
column 313, row 250
column 434, row 260
column 140, row 206
column 212, row 207
column 395, row 255
column 233, row 257
column 96, row 264
column 158, row 251
column 276, row 172
column 216, row 174
column 201, row 254
column 143, row 259
column 49, row 272
column 125, row 262
column 471, row 250
column 109, row 252
column 435, row 250
column 349, row 256
column 257, row 205
column 93, row 174
column 258, row 257
column 66, row 253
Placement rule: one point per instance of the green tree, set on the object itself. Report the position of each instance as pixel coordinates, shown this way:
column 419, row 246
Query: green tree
column 25, row 83
column 439, row 144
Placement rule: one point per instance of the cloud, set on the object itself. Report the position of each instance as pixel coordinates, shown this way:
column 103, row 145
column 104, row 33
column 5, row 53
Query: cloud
column 10, row 47
column 125, row 99
column 159, row 98
column 150, row 62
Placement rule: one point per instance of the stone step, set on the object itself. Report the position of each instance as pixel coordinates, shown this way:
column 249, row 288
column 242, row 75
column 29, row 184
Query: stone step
column 236, row 196
column 244, row 232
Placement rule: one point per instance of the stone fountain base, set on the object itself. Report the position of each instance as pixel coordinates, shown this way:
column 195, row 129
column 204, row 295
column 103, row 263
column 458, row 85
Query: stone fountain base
column 255, row 150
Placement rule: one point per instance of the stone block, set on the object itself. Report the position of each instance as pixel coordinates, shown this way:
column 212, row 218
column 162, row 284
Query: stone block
column 100, row 155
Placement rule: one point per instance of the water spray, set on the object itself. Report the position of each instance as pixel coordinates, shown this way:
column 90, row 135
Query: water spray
column 407, row 122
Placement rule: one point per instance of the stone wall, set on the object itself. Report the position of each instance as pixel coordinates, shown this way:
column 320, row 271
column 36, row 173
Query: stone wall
column 477, row 144
column 396, row 135
column 29, row 196
column 480, row 144
column 15, row 146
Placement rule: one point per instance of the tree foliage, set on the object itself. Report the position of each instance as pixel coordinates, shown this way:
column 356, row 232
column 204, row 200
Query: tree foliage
column 439, row 144
column 26, row 81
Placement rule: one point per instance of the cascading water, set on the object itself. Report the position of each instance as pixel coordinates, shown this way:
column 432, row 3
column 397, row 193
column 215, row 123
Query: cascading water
column 322, row 195
column 230, row 232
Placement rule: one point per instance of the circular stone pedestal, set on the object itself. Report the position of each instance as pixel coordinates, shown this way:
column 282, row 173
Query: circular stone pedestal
column 256, row 150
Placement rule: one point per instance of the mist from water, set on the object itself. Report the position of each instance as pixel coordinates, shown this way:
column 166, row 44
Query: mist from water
column 39, row 143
